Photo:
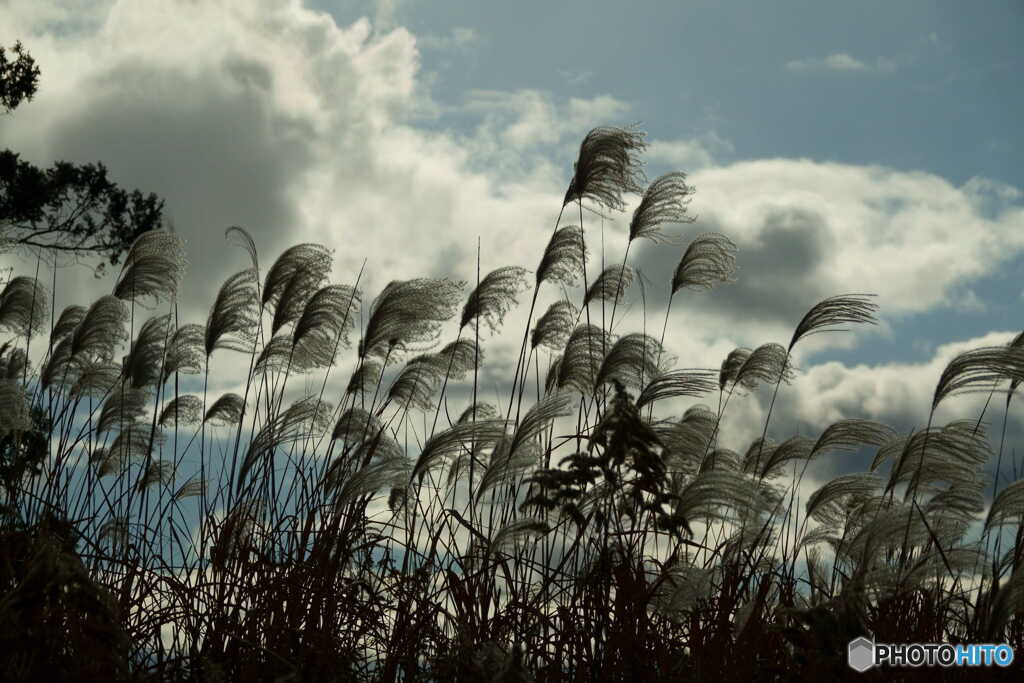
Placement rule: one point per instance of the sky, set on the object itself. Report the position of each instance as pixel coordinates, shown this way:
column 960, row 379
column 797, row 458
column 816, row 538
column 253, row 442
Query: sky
column 844, row 147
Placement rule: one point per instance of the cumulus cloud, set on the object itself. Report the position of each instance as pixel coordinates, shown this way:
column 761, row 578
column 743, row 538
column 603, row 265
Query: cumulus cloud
column 808, row 230
column 275, row 117
column 689, row 154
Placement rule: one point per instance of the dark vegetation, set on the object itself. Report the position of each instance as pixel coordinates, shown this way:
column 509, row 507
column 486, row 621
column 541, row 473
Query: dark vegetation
column 68, row 212
column 590, row 527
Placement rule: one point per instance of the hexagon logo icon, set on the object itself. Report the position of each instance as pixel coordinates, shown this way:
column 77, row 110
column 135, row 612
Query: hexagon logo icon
column 861, row 654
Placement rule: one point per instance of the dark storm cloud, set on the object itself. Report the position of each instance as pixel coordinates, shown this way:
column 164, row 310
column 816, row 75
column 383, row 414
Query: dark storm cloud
column 777, row 278
column 214, row 153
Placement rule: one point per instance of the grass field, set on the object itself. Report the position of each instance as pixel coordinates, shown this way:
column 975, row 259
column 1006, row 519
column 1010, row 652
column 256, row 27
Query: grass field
column 587, row 526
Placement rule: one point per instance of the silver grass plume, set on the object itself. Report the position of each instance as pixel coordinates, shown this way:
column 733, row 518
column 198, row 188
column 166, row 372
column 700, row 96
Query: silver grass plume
column 386, row 472
column 516, row 454
column 24, row 306
column 130, row 444
column 819, row 534
column 457, row 358
column 792, row 449
column 980, row 366
column 117, row 530
column 355, row 425
column 276, row 354
column 417, row 383
column 309, row 416
column 58, row 368
column 554, row 327
column 836, row 310
column 226, row 410
column 611, row 285
column 184, row 351
column 848, row 435
column 731, row 366
column 315, row 259
column 448, row 444
column 632, row 359
column 409, row 312
column 828, row 503
column 241, row 237
column 758, row 453
column 582, row 358
column 1015, row 343
column 685, row 442
column 563, row 258
column 231, row 323
column 13, row 362
column 381, row 446
column 365, row 377
column 303, row 284
column 679, row 589
column 551, row 378
column 154, row 266
column 156, row 472
column 235, row 532
column 721, row 495
column 691, row 382
column 494, row 296
column 506, row 463
column 884, row 530
column 94, row 377
column 710, row 259
column 516, row 531
column 664, row 201
column 1007, row 603
column 955, row 452
column 479, row 411
column 123, row 407
column 192, row 488
column 184, row 409
column 14, row 411
column 102, row 328
column 961, row 504
column 721, row 459
column 1008, row 507
column 143, row 366
column 325, row 324
column 608, row 164
column 69, row 319
column 768, row 363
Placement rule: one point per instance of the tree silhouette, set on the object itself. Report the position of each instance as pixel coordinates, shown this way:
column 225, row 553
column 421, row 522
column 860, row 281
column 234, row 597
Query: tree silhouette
column 67, row 209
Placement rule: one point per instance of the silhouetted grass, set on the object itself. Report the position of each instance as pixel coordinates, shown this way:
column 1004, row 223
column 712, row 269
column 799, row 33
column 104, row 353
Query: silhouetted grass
column 588, row 528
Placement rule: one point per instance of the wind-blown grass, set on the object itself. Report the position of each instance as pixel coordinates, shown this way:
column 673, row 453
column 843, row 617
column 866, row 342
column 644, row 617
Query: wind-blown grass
column 590, row 527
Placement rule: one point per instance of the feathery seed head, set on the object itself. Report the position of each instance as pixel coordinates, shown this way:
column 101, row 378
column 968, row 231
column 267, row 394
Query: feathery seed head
column 664, row 201
column 564, row 257
column 409, row 312
column 608, row 165
column 710, row 259
column 494, row 296
column 24, row 306
column 155, row 266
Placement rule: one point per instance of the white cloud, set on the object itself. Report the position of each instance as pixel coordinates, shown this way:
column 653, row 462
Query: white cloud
column 842, row 62
column 688, row 154
column 460, row 38
column 576, row 77
column 274, row 117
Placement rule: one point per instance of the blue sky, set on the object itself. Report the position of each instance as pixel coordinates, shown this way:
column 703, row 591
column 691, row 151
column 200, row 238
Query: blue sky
column 910, row 85
column 868, row 146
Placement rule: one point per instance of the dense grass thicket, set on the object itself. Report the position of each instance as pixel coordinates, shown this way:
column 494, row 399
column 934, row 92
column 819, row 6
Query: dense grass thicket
column 588, row 526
